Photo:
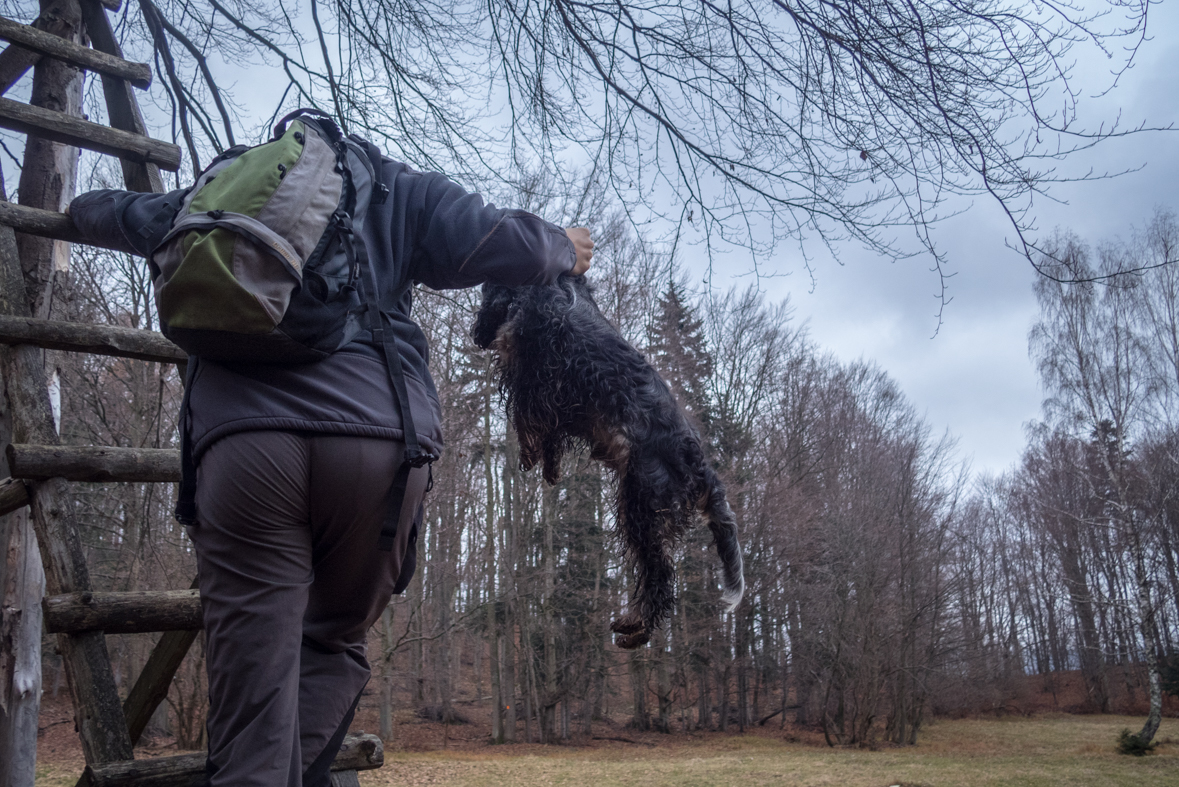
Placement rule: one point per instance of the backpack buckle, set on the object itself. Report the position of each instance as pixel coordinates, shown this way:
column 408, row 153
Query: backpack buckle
column 415, row 457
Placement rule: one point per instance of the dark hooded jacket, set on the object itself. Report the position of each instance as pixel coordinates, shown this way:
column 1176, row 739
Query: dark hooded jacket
column 428, row 230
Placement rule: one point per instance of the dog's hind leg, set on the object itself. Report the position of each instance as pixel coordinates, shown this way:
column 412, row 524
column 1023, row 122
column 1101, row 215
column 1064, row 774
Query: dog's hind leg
column 647, row 525
column 723, row 525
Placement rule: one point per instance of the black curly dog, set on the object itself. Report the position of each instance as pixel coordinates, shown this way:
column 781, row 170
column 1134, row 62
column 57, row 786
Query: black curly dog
column 569, row 378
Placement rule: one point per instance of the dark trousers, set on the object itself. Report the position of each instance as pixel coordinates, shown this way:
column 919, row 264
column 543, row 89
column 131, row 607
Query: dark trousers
column 291, row 579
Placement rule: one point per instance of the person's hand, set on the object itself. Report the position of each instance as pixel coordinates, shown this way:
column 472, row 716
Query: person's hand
column 583, row 244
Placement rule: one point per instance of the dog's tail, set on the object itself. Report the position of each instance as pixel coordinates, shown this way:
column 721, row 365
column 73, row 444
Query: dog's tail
column 723, row 525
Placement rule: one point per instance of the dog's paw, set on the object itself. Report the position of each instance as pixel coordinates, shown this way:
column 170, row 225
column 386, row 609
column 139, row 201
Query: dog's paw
column 632, row 641
column 628, row 624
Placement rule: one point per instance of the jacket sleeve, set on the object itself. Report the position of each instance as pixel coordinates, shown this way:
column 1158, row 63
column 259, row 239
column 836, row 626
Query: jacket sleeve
column 461, row 242
column 126, row 221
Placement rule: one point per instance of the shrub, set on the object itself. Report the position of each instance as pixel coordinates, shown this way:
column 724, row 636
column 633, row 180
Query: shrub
column 1129, row 743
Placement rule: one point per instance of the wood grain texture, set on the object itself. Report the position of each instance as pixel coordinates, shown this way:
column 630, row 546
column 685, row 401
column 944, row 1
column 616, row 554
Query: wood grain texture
column 86, row 338
column 131, row 612
column 29, row 37
column 359, row 753
column 60, row 127
column 93, row 463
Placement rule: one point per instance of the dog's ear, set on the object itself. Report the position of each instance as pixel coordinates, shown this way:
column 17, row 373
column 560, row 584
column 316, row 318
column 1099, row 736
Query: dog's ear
column 497, row 300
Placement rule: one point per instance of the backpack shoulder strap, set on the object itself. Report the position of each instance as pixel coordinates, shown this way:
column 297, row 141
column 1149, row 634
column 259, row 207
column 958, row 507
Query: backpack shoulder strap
column 370, row 291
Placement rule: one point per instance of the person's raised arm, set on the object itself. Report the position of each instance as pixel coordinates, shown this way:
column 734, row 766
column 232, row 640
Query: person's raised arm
column 461, row 242
column 128, row 221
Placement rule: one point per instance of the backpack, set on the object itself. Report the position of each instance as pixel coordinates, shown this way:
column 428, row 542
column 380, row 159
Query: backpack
column 259, row 264
column 263, row 263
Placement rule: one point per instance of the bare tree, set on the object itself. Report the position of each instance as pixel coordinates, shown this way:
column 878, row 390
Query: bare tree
column 738, row 124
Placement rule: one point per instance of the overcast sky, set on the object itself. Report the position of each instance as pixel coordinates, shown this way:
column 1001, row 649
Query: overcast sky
column 974, row 377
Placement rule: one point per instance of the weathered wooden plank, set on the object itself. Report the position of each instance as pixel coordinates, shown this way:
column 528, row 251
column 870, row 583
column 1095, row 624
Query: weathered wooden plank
column 15, row 62
column 35, row 221
column 59, row 127
column 93, row 463
column 344, row 779
column 121, row 107
column 86, row 338
column 132, row 612
column 359, row 753
column 138, row 74
column 14, row 495
column 151, row 687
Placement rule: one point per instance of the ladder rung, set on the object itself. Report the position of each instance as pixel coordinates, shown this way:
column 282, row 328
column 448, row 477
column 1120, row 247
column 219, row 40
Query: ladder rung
column 111, row 340
column 359, row 753
column 133, row 612
column 46, row 223
column 138, row 74
column 60, row 127
column 35, row 221
column 13, row 495
column 93, row 463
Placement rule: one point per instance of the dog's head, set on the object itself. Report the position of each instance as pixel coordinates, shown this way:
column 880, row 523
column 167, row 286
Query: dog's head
column 498, row 302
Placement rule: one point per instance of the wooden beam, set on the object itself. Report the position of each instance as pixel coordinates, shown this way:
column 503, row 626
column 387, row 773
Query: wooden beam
column 60, row 127
column 359, row 753
column 151, row 687
column 110, row 340
column 133, row 612
column 14, row 495
column 138, row 74
column 45, row 223
column 121, row 106
column 93, row 463
column 35, row 221
column 15, row 62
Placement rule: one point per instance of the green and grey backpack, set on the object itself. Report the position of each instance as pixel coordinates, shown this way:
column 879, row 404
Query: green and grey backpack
column 259, row 264
column 264, row 264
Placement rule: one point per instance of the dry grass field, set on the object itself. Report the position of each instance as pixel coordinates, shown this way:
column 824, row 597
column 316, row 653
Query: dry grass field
column 1012, row 752
column 1019, row 752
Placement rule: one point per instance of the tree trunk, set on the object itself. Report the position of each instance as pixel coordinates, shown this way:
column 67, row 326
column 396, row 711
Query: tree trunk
column 22, row 582
column 639, row 719
column 48, row 177
column 662, row 682
column 1146, row 621
column 386, row 674
column 548, row 710
column 489, row 568
column 512, row 509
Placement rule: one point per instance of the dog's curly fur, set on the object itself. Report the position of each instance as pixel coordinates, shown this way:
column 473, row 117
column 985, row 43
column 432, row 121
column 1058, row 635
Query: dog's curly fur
column 569, row 378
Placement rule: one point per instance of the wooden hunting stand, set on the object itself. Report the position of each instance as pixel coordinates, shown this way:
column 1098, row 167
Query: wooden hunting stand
column 42, row 469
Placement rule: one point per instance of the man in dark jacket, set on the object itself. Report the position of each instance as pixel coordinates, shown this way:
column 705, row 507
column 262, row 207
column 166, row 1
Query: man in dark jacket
column 295, row 467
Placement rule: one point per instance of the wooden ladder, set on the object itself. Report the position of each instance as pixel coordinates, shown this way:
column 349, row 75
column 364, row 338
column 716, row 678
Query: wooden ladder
column 41, row 468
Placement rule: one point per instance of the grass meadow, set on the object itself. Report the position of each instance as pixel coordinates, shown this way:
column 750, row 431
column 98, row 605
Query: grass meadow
column 1011, row 752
